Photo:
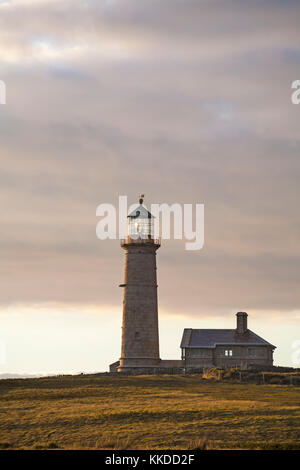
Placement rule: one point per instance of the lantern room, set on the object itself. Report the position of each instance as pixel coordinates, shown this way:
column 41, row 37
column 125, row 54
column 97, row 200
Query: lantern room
column 140, row 223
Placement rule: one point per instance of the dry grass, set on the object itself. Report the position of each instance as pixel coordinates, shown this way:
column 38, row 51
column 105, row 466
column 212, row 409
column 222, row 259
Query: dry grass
column 146, row 412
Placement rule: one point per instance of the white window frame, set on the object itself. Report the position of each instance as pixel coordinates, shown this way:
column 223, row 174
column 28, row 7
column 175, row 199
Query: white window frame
column 228, row 352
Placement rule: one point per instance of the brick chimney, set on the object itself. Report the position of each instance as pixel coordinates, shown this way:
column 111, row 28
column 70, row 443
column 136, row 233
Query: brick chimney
column 241, row 322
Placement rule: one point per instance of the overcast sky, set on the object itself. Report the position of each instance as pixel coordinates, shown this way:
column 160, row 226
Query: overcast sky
column 187, row 101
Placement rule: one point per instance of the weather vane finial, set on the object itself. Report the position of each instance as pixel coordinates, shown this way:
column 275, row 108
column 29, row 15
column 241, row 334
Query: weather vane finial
column 141, row 200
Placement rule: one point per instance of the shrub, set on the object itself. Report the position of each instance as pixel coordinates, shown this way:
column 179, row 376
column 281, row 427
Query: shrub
column 200, row 444
column 231, row 374
column 5, row 445
column 52, row 445
column 275, row 381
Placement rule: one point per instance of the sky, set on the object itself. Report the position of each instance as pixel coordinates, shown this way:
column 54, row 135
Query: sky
column 186, row 101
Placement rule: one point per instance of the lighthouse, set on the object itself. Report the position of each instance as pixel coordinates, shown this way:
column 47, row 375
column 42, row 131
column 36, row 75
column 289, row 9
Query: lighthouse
column 140, row 342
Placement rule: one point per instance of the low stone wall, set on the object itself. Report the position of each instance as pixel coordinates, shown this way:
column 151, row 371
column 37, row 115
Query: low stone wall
column 113, row 367
column 171, row 363
column 164, row 366
column 257, row 367
column 156, row 371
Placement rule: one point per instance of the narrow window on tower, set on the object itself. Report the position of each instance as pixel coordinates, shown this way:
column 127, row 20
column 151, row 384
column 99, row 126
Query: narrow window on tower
column 137, row 335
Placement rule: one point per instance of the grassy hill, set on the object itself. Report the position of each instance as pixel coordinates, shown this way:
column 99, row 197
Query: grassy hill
column 146, row 412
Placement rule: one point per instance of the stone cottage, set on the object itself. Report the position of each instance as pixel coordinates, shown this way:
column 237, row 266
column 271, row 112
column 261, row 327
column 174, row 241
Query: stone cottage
column 239, row 347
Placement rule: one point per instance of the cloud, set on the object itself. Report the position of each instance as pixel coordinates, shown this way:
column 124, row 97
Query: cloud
column 186, row 101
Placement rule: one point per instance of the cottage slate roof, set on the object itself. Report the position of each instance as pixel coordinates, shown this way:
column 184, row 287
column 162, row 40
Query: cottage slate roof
column 193, row 338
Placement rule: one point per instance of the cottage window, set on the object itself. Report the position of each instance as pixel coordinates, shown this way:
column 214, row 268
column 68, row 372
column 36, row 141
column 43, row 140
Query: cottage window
column 251, row 352
column 228, row 352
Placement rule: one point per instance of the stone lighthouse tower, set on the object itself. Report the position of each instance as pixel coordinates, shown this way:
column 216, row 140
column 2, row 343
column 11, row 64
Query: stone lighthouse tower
column 140, row 344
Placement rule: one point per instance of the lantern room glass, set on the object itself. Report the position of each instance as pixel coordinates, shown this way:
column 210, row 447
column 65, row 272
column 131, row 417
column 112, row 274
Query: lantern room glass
column 140, row 227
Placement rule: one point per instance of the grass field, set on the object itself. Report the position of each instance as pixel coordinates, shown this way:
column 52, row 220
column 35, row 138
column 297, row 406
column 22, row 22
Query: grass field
column 147, row 412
